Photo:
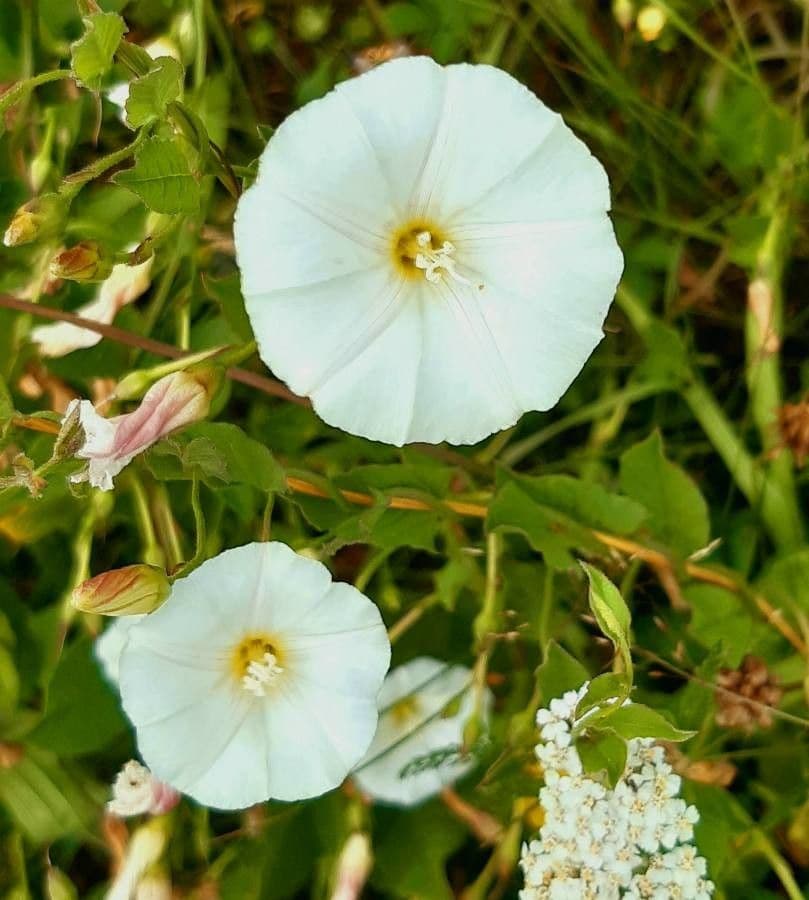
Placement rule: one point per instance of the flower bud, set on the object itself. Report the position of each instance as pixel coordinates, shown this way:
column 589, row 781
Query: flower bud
column 84, row 262
column 39, row 218
column 155, row 885
column 624, row 13
column 131, row 590
column 650, row 22
column 136, row 791
column 353, row 867
column 144, row 850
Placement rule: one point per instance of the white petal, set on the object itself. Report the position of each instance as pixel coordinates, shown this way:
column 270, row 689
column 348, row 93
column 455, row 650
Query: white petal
column 61, row 338
column 489, row 124
column 400, row 108
column 109, row 645
column 288, row 240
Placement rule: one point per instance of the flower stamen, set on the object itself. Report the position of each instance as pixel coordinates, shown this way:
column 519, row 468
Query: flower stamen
column 438, row 263
column 261, row 674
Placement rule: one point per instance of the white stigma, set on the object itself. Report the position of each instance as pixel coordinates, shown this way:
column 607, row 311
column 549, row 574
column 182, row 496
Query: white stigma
column 261, row 674
column 438, row 263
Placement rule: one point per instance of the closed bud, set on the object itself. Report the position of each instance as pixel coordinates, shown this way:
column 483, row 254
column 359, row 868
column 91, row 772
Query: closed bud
column 129, row 591
column 624, row 13
column 84, row 262
column 155, row 885
column 39, row 218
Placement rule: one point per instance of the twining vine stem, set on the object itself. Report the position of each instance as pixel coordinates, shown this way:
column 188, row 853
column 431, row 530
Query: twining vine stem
column 662, row 566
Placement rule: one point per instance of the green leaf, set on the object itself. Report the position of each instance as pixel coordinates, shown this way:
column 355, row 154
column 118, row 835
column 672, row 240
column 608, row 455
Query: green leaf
column 83, row 713
column 639, row 721
column 9, row 684
column 602, row 752
column 678, row 514
column 45, row 797
column 150, row 94
column 346, row 523
column 91, row 56
column 277, row 864
column 785, row 581
column 612, row 614
column 550, row 531
column 430, row 835
column 162, row 178
column 560, row 672
column 6, row 403
column 219, row 453
column 606, row 693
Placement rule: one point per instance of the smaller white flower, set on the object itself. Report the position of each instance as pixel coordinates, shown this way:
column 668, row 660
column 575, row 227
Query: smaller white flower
column 256, row 679
column 424, row 705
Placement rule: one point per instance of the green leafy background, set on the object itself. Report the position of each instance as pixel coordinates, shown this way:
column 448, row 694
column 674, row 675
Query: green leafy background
column 662, row 469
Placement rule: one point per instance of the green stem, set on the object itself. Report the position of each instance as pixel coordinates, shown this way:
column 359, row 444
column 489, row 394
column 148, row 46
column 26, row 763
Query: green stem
column 22, row 88
column 779, row 865
column 72, row 184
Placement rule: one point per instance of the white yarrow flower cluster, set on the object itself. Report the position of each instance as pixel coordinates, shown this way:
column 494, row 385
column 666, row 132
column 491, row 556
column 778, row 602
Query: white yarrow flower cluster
column 633, row 841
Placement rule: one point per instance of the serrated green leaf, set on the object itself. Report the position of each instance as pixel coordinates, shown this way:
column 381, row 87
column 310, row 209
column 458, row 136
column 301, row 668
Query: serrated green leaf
column 150, row 94
column 162, row 178
column 678, row 513
column 550, row 531
column 639, row 721
column 603, row 752
column 612, row 614
column 219, row 453
column 91, row 56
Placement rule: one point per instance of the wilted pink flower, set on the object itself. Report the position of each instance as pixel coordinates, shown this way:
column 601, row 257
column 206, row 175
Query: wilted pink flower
column 172, row 402
column 136, row 791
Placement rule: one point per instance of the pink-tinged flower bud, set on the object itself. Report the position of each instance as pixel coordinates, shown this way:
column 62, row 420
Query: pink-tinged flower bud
column 132, row 590
column 136, row 792
column 353, row 867
column 83, row 262
column 144, row 851
column 39, row 218
column 173, row 402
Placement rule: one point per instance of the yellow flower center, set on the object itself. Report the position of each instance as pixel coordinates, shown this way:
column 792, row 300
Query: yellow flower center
column 420, row 250
column 404, row 710
column 256, row 663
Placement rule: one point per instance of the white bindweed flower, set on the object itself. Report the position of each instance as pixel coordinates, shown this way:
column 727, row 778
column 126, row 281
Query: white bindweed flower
column 426, row 253
column 256, row 679
column 424, row 705
column 124, row 285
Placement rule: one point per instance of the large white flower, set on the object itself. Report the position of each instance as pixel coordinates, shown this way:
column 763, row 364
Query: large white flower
column 257, row 678
column 416, row 751
column 426, row 253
